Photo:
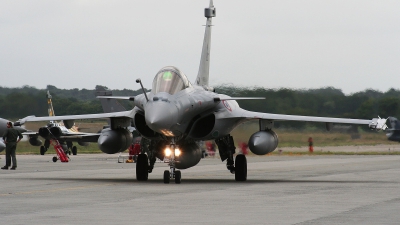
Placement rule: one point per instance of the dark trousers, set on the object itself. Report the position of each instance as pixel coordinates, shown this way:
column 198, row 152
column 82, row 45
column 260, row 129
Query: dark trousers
column 10, row 153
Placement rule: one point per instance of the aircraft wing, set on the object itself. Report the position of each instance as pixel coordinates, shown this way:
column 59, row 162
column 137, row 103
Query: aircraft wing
column 30, row 133
column 72, row 136
column 270, row 116
column 89, row 137
column 376, row 123
column 131, row 98
column 76, row 117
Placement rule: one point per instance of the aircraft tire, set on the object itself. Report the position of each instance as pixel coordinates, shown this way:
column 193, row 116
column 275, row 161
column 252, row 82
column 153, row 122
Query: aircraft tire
column 55, row 159
column 177, row 177
column 42, row 150
column 240, row 168
column 74, row 150
column 166, row 176
column 142, row 167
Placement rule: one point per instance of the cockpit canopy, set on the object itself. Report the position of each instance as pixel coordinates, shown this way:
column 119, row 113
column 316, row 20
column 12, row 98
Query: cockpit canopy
column 171, row 80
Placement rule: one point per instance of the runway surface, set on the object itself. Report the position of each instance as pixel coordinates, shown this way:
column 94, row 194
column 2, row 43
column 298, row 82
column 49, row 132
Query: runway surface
column 95, row 189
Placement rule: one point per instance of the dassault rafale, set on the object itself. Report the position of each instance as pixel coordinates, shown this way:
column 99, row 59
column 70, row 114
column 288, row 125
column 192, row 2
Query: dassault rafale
column 176, row 114
column 55, row 130
column 66, row 136
column 58, row 131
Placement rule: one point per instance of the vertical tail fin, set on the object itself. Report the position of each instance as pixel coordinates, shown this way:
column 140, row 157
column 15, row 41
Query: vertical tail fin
column 109, row 105
column 50, row 109
column 394, row 123
column 203, row 75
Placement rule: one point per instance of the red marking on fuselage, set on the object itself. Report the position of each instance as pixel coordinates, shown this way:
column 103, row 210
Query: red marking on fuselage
column 227, row 106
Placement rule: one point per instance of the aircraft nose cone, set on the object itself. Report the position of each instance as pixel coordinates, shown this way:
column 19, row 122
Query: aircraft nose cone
column 160, row 116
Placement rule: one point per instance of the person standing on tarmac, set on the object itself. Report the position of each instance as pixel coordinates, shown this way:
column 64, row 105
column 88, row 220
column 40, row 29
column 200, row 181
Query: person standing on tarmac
column 310, row 145
column 10, row 139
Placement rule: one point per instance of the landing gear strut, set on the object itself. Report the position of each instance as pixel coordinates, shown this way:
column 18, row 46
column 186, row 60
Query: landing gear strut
column 43, row 150
column 71, row 149
column 227, row 148
column 45, row 147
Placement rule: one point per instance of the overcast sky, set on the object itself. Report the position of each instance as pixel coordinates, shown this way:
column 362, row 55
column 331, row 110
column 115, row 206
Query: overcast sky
column 350, row 44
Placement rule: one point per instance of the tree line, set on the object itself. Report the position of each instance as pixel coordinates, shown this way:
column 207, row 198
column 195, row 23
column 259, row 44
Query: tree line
column 329, row 101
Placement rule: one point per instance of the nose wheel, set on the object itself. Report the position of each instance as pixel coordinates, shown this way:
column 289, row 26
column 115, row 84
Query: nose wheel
column 168, row 176
column 177, row 177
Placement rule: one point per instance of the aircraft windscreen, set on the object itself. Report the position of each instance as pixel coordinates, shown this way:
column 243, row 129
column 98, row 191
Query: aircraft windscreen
column 169, row 80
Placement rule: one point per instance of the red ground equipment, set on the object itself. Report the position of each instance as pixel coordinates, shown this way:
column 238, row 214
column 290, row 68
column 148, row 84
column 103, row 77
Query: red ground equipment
column 134, row 151
column 210, row 148
column 243, row 146
column 310, row 145
column 60, row 152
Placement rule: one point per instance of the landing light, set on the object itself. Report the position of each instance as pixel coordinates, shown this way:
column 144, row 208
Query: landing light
column 168, row 152
column 177, row 152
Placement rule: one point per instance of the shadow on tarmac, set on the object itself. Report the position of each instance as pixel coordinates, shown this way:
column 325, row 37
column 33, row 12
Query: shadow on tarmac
column 208, row 181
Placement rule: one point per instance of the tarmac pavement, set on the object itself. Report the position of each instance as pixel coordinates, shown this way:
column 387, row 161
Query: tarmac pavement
column 95, row 189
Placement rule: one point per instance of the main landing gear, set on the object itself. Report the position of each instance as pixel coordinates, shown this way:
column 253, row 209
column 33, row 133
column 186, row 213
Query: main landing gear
column 240, row 168
column 74, row 150
column 71, row 149
column 142, row 167
column 227, row 149
column 45, row 147
column 43, row 150
column 237, row 166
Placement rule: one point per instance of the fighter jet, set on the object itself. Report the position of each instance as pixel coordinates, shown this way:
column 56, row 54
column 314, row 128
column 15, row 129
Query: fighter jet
column 56, row 130
column 66, row 136
column 176, row 114
column 394, row 131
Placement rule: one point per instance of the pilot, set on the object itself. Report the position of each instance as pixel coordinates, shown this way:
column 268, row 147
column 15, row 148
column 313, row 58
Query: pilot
column 10, row 139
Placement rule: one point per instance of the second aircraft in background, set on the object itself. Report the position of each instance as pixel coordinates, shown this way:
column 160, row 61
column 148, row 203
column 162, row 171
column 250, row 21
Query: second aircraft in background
column 66, row 136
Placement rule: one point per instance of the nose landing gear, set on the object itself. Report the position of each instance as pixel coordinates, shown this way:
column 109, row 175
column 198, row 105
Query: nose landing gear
column 168, row 176
column 172, row 172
